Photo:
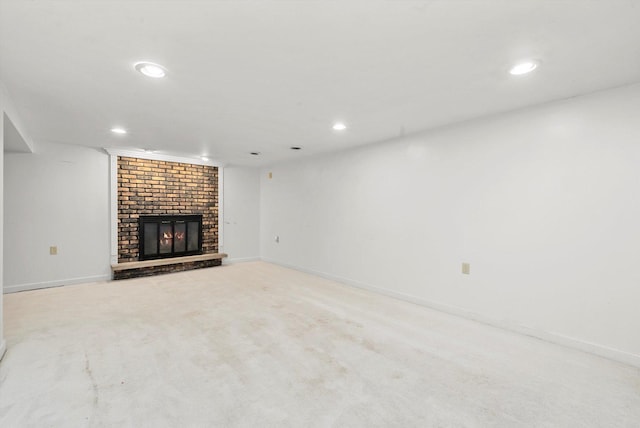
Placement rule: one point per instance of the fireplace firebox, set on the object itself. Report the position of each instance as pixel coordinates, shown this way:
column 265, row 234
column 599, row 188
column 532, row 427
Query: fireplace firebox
column 169, row 236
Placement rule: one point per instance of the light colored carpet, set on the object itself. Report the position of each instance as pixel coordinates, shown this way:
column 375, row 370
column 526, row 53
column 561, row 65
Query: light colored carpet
column 257, row 345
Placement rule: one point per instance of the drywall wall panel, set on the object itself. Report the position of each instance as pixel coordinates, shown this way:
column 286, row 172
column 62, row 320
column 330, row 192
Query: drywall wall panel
column 542, row 203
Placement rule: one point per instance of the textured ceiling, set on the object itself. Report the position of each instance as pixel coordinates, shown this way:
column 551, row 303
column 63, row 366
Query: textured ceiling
column 262, row 76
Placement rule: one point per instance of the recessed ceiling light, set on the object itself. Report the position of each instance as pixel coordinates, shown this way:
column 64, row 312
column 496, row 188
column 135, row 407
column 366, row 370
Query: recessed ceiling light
column 150, row 69
column 296, row 148
column 523, row 68
column 119, row 131
column 204, row 158
column 339, row 126
column 255, row 153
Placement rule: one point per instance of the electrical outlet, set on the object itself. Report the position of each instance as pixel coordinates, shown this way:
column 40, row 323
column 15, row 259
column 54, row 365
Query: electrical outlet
column 466, row 268
column 277, row 239
column 53, row 251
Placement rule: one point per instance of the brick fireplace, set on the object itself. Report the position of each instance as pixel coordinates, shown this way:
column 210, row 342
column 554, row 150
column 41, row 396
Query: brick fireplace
column 154, row 188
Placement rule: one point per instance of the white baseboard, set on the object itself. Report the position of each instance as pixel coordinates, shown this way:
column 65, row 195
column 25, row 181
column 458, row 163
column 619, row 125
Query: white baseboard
column 3, row 348
column 240, row 260
column 47, row 284
column 558, row 339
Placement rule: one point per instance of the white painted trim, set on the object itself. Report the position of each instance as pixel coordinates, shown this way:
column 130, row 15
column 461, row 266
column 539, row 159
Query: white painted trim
column 556, row 338
column 113, row 206
column 58, row 283
column 3, row 348
column 220, row 210
column 141, row 154
column 240, row 260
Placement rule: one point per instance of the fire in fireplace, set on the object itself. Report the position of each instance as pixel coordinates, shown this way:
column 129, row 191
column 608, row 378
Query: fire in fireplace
column 169, row 236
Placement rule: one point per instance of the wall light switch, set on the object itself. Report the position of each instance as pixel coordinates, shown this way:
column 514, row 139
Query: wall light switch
column 466, row 268
column 277, row 239
column 271, row 175
column 53, row 251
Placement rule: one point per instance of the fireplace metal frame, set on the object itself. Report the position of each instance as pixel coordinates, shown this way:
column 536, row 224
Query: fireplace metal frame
column 164, row 219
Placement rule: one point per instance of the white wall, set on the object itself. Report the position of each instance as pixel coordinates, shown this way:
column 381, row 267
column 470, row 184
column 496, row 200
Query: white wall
column 241, row 199
column 57, row 196
column 3, row 343
column 544, row 203
column 7, row 108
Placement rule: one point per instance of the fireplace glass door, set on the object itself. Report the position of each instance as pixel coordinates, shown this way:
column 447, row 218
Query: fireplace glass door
column 170, row 236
